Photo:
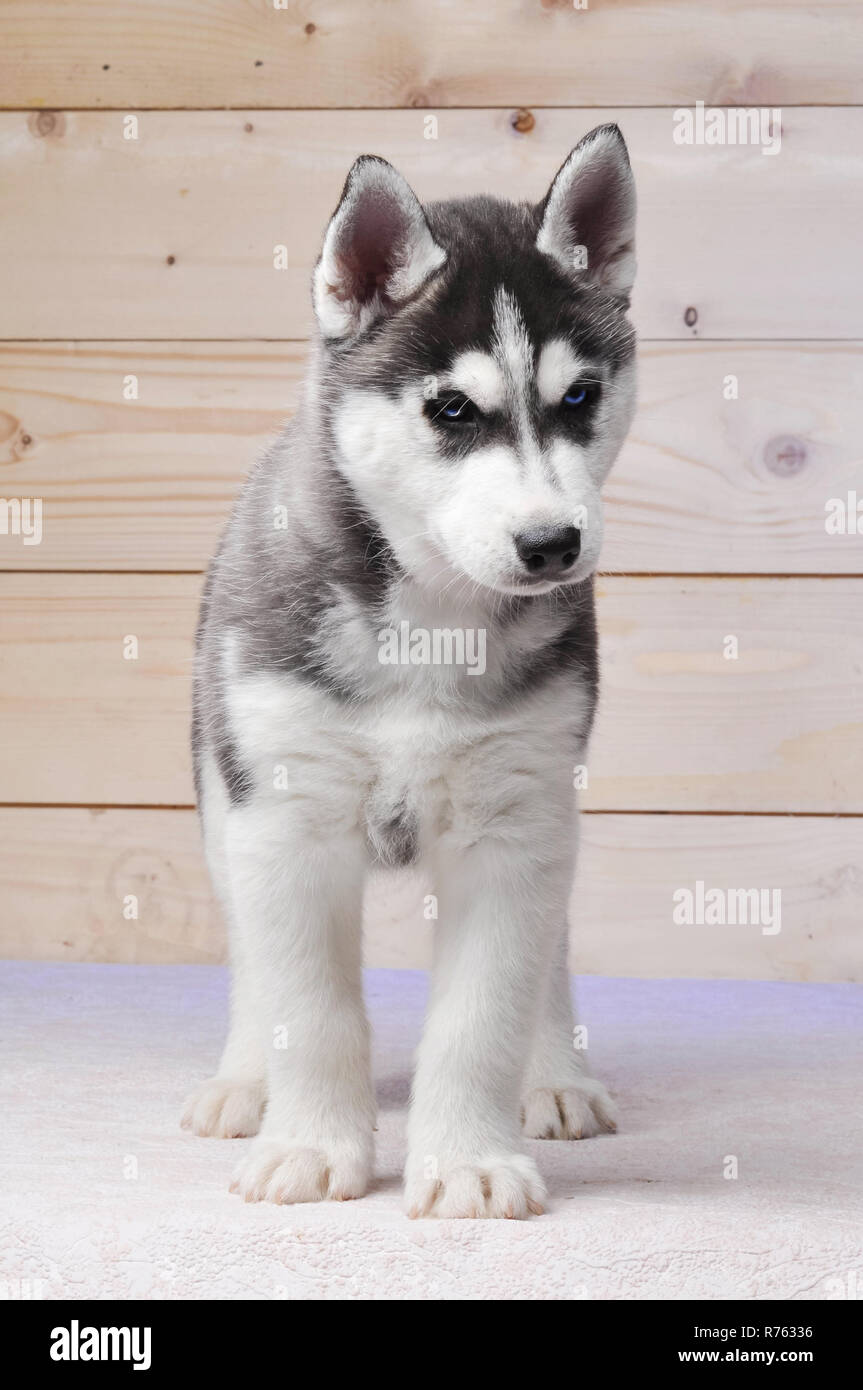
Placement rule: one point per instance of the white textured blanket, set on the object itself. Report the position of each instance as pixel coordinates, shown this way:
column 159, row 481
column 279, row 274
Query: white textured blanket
column 104, row 1196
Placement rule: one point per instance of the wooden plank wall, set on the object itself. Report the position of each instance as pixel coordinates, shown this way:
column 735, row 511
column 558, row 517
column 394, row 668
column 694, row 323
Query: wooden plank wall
column 152, row 158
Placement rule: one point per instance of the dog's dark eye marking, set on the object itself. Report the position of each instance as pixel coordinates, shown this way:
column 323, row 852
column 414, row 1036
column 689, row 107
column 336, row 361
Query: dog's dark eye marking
column 453, row 409
column 580, row 395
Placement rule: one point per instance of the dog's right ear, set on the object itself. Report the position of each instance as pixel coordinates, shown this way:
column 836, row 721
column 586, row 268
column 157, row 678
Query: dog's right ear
column 587, row 218
column 378, row 250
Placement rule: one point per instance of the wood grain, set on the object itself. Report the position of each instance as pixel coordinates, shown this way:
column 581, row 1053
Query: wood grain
column 70, row 878
column 79, row 722
column 681, row 727
column 141, row 484
column 746, row 262
column 426, row 53
column 66, row 877
column 703, row 485
column 172, row 235
column 632, row 865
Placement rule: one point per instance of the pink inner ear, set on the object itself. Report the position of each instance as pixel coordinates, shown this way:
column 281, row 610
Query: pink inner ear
column 371, row 245
column 592, row 204
column 599, row 212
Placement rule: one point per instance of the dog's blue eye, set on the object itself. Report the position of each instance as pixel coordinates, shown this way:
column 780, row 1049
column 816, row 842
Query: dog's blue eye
column 581, row 393
column 457, row 410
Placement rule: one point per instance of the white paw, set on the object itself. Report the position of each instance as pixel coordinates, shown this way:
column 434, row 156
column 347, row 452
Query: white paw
column 225, row 1108
column 576, row 1110
column 283, row 1171
column 505, row 1185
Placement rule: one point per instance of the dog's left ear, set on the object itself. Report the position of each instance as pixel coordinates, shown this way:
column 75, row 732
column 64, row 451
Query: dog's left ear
column 587, row 219
column 378, row 250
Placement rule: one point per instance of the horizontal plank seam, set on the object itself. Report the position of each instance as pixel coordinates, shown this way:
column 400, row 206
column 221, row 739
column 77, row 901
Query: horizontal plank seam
column 514, row 105
column 802, row 342
column 601, row 574
column 586, row 811
column 672, row 574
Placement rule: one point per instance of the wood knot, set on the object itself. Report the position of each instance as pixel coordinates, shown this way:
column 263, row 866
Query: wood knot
column 690, row 316
column 310, row 28
column 523, row 120
column 785, row 455
column 9, row 425
column 45, row 123
column 170, row 260
column 15, row 441
column 248, row 127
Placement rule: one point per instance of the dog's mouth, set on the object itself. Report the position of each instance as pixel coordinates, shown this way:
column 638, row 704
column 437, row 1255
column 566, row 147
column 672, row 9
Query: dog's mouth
column 514, row 581
column 523, row 584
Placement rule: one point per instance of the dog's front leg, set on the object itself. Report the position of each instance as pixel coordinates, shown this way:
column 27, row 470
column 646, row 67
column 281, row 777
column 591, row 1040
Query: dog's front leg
column 499, row 905
column 298, row 893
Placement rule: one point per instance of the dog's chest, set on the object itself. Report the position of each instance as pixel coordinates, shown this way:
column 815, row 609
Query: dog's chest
column 404, row 770
column 393, row 815
column 410, row 792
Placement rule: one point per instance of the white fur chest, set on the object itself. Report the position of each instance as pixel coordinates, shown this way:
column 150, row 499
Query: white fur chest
column 407, row 773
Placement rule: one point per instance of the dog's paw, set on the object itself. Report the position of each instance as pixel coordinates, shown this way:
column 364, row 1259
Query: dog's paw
column 505, row 1185
column 284, row 1172
column 225, row 1108
column 579, row 1109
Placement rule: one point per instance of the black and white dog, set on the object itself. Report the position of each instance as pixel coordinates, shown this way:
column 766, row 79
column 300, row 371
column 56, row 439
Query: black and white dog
column 437, row 495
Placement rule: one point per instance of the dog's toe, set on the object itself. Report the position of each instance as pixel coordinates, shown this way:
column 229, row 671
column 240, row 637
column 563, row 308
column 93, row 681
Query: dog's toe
column 501, row 1186
column 287, row 1172
column 225, row 1108
column 577, row 1110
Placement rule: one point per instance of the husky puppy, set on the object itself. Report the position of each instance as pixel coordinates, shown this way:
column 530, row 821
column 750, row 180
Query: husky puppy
column 437, row 497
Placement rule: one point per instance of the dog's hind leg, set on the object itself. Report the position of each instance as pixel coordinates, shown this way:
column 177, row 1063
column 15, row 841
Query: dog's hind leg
column 560, row 1099
column 230, row 1104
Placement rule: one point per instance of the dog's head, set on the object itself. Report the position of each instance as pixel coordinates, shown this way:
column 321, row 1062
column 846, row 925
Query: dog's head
column 478, row 367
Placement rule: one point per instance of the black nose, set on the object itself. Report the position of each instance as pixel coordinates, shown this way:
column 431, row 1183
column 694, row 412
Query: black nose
column 549, row 548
